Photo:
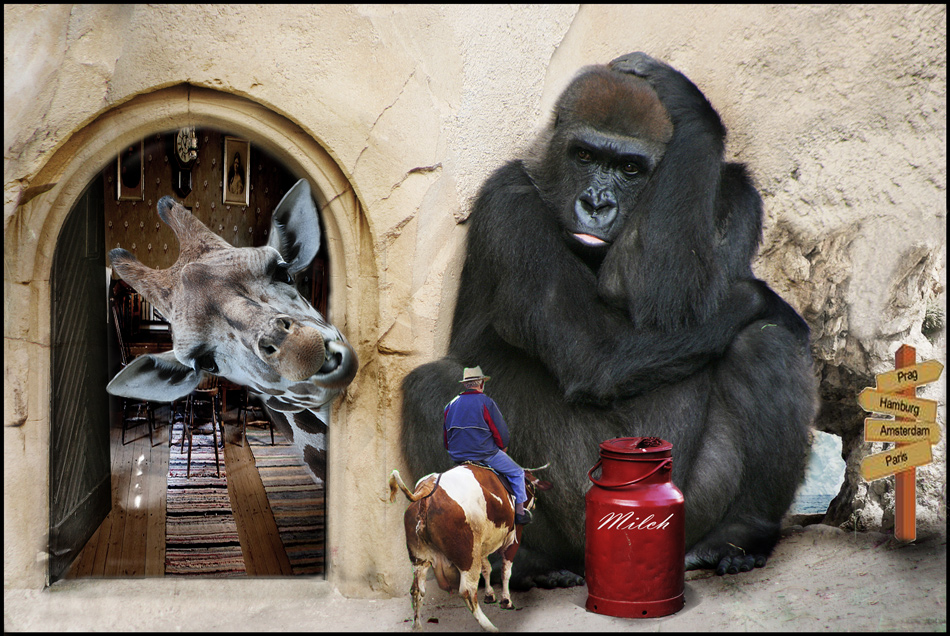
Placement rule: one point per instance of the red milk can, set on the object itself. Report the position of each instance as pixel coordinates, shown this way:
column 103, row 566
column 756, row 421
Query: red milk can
column 635, row 531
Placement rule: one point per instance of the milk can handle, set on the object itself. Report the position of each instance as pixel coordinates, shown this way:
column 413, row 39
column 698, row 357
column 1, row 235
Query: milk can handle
column 666, row 462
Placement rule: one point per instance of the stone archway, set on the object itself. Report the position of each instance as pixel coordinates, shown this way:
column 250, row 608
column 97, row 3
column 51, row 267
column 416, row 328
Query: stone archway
column 30, row 242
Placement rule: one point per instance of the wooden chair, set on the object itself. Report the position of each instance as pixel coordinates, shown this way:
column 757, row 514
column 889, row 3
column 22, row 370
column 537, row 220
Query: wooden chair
column 176, row 412
column 235, row 389
column 134, row 412
column 202, row 406
column 247, row 407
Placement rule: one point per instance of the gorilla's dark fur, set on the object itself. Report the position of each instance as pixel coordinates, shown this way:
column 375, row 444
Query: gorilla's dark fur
column 607, row 290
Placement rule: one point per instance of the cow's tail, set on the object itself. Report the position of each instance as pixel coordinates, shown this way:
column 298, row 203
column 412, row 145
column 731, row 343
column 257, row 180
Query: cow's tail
column 424, row 487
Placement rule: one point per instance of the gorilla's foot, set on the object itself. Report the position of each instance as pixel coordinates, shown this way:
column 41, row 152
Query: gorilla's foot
column 728, row 560
column 733, row 548
column 545, row 580
column 533, row 569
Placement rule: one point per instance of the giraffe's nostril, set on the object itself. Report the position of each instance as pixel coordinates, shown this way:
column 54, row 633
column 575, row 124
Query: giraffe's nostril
column 269, row 350
column 285, row 323
column 332, row 362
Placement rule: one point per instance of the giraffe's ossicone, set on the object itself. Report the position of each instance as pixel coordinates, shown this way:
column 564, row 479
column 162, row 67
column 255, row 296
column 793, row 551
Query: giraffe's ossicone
column 234, row 312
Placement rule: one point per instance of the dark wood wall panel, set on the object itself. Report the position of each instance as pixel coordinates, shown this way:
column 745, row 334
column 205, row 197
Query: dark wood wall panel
column 135, row 226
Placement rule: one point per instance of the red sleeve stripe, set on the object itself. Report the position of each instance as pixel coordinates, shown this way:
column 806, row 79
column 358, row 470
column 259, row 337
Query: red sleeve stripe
column 494, row 430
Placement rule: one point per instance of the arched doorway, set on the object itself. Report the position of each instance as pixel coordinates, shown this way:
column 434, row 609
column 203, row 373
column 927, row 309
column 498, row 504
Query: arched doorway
column 298, row 154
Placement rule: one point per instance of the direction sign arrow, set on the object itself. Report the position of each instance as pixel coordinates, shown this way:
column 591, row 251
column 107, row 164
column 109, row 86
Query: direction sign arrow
column 898, row 405
column 898, row 379
column 896, row 431
column 896, row 460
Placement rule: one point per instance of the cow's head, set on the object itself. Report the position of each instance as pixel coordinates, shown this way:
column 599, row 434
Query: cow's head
column 532, row 485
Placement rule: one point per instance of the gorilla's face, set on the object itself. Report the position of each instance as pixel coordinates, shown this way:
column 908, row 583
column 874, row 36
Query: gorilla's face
column 609, row 134
column 602, row 179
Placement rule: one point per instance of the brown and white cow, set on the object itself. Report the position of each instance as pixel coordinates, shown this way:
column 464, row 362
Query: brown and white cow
column 455, row 521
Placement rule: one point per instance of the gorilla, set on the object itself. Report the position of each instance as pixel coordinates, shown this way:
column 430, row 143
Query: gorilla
column 608, row 292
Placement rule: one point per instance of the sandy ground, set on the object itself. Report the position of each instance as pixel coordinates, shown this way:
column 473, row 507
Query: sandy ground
column 819, row 578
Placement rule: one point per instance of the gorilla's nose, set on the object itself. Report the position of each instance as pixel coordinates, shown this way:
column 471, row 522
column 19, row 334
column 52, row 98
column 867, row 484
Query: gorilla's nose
column 596, row 208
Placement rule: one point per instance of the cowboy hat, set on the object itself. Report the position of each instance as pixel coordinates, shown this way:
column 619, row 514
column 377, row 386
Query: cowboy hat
column 473, row 373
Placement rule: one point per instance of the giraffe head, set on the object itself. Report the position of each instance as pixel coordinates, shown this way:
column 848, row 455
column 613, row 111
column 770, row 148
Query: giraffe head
column 235, row 312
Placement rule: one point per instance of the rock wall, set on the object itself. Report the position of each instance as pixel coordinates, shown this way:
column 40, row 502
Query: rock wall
column 839, row 111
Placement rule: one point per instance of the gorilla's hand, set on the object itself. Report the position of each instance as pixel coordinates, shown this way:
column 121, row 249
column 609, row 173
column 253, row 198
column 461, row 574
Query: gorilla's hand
column 639, row 64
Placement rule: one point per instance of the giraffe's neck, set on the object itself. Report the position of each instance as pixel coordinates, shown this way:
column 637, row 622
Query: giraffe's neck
column 307, row 430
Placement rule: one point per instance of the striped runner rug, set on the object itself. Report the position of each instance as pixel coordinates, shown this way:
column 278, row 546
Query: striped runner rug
column 201, row 536
column 296, row 500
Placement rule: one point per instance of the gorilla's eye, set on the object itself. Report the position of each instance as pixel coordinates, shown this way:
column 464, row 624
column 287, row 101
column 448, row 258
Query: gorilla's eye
column 282, row 274
column 630, row 168
column 583, row 155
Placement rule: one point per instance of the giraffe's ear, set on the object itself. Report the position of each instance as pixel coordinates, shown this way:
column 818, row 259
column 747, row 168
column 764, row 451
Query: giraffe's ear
column 295, row 230
column 151, row 283
column 156, row 377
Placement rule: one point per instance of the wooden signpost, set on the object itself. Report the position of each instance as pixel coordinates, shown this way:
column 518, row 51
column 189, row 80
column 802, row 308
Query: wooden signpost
column 914, row 429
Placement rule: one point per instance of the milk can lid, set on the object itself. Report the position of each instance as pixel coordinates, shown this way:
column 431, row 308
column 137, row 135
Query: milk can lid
column 636, row 445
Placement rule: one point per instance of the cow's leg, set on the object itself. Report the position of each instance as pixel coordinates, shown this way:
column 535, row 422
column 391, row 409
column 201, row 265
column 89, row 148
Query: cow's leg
column 508, row 557
column 489, row 596
column 419, row 569
column 468, row 589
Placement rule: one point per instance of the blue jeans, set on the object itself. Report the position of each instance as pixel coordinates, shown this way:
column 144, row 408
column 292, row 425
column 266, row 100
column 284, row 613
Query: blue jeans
column 515, row 474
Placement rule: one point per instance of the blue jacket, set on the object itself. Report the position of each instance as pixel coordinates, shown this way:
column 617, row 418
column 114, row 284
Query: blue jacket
column 473, row 428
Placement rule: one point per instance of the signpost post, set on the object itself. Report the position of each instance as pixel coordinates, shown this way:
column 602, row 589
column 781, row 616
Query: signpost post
column 913, row 430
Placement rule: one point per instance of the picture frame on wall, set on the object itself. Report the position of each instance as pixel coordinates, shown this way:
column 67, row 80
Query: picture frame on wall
column 236, row 171
column 130, row 173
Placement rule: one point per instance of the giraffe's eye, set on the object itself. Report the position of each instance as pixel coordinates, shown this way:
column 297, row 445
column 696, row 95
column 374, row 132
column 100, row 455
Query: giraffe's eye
column 282, row 274
column 207, row 363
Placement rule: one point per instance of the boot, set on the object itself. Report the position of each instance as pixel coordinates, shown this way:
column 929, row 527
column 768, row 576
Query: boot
column 522, row 516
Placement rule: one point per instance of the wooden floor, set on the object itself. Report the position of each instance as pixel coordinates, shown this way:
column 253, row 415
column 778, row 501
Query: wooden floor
column 130, row 541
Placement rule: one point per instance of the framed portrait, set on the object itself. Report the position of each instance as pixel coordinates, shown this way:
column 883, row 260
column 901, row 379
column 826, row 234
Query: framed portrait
column 130, row 173
column 237, row 171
